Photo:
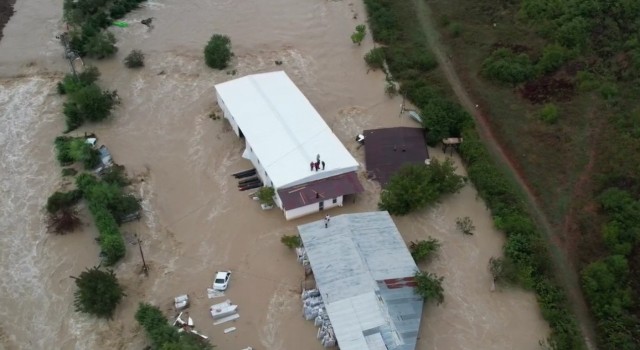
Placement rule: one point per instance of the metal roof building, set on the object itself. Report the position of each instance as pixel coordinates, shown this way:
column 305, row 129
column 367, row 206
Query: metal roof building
column 364, row 273
column 284, row 134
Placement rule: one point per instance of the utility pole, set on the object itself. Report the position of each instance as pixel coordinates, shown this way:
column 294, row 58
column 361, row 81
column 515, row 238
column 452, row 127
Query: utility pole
column 145, row 268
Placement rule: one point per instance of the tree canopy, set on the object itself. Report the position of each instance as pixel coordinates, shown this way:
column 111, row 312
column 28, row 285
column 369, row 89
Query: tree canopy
column 416, row 186
column 217, row 53
column 98, row 292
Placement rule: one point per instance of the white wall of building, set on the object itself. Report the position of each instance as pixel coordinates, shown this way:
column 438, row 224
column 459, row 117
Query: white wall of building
column 312, row 208
column 227, row 115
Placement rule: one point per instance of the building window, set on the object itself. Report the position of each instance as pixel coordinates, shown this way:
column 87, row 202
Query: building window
column 335, row 200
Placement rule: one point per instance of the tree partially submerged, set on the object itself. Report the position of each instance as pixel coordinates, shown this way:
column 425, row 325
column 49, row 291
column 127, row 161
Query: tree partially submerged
column 465, row 225
column 291, row 241
column 415, row 186
column 164, row 336
column 135, row 59
column 359, row 34
column 429, row 286
column 98, row 293
column 424, row 250
column 217, row 53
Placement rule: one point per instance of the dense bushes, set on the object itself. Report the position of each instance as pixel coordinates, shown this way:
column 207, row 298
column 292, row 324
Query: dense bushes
column 217, row 53
column 375, row 58
column 86, row 101
column 429, row 286
column 508, row 67
column 76, row 149
column 442, row 119
column 61, row 200
column 162, row 334
column 524, row 247
column 416, row 186
column 89, row 18
column 98, row 292
column 107, row 204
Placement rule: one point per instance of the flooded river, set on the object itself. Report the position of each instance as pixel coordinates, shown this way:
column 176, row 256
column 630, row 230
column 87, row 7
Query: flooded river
column 195, row 221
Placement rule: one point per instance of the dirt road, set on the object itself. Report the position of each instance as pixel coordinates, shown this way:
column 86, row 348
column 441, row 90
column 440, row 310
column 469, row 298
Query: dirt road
column 567, row 274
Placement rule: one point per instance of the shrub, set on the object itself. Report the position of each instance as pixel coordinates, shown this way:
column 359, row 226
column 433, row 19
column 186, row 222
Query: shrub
column 266, row 194
column 291, row 241
column 375, row 58
column 549, row 113
column 416, row 186
column 63, row 200
column 424, row 250
column 507, row 67
column 217, row 53
column 390, row 89
column 163, row 335
column 117, row 11
column 553, row 57
column 503, row 270
column 359, row 34
column 98, row 292
column 429, row 286
column 465, row 225
column 83, row 152
column 608, row 91
column 135, row 59
column 115, row 175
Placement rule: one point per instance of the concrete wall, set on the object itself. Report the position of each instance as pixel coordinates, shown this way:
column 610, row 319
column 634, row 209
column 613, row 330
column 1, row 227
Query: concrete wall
column 311, row 208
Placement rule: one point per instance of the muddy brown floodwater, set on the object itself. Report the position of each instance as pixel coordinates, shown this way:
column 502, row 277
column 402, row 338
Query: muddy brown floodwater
column 195, row 221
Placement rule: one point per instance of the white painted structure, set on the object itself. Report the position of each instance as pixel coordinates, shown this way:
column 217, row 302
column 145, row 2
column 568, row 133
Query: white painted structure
column 283, row 134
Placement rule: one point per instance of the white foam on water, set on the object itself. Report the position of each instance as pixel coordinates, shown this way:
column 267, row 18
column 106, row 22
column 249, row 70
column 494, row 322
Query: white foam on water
column 25, row 183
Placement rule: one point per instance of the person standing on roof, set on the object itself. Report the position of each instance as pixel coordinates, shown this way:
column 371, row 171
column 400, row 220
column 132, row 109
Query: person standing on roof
column 312, row 164
column 326, row 221
column 322, row 165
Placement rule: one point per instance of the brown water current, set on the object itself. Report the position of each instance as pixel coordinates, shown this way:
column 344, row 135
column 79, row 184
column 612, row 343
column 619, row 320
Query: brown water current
column 195, row 221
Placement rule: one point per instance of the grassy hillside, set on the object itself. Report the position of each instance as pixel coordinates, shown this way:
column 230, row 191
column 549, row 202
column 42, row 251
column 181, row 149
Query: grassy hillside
column 560, row 82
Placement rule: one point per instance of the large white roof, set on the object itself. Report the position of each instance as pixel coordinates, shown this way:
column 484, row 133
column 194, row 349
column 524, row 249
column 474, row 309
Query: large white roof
column 284, row 130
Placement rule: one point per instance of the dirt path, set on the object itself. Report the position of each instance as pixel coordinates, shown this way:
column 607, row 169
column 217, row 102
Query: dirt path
column 569, row 277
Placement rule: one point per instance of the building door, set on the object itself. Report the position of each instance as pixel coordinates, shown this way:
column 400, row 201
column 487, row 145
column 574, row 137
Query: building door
column 321, row 205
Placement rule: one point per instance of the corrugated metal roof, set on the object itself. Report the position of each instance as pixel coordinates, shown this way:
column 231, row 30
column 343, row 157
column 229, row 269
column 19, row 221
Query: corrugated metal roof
column 351, row 259
column 320, row 190
column 284, row 130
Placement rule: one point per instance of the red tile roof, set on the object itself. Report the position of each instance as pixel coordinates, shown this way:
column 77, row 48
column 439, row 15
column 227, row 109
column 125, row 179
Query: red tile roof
column 387, row 150
column 320, row 190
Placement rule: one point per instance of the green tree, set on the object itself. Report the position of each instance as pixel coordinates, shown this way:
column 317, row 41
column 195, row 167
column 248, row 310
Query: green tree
column 553, row 57
column 416, row 186
column 375, row 58
column 359, row 34
column 100, row 45
column 291, row 241
column 90, row 103
column 83, row 152
column 443, row 119
column 98, row 292
column 423, row 250
column 135, row 59
column 429, row 286
column 217, row 53
column 162, row 335
column 507, row 67
column 63, row 200
column 266, row 194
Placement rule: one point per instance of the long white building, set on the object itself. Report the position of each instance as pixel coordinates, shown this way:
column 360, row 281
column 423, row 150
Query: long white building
column 284, row 134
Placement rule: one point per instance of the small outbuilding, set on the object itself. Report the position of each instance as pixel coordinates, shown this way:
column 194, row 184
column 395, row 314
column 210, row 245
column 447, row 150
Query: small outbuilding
column 364, row 274
column 290, row 145
column 388, row 149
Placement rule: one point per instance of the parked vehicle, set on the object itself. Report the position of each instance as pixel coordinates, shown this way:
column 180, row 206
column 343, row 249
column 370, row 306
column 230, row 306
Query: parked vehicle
column 221, row 281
